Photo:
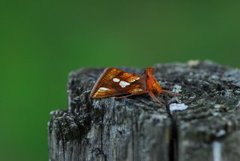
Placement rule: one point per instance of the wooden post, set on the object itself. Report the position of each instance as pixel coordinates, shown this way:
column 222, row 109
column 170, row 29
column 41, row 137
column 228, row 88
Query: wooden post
column 202, row 124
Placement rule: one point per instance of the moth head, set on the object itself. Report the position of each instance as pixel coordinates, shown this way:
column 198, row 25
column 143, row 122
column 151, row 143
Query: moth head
column 151, row 82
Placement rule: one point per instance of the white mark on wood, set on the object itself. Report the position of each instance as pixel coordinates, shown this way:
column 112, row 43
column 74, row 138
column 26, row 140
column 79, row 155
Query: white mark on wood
column 217, row 151
column 116, row 80
column 238, row 104
column 123, row 84
column 177, row 88
column 217, row 106
column 177, row 107
column 221, row 133
column 159, row 117
column 193, row 63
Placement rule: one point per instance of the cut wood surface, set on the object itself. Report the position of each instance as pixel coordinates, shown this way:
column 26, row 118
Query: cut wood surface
column 200, row 124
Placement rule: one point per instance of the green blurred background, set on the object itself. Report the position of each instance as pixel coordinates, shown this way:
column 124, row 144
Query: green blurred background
column 42, row 41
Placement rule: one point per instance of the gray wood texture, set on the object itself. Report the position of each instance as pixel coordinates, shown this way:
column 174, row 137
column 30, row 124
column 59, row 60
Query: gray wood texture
column 137, row 129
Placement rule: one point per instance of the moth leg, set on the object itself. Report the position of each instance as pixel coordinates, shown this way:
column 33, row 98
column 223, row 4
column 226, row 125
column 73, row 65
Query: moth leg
column 171, row 93
column 122, row 96
column 155, row 99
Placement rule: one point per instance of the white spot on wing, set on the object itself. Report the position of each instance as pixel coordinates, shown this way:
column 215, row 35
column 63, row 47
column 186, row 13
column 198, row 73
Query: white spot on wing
column 137, row 90
column 123, row 84
column 116, row 80
column 178, row 107
column 133, row 80
column 103, row 89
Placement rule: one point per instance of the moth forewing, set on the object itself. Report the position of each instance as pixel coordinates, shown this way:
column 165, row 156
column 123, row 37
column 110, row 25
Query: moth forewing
column 115, row 82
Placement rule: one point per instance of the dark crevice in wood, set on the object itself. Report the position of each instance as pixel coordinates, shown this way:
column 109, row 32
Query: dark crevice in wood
column 173, row 150
column 132, row 139
column 101, row 139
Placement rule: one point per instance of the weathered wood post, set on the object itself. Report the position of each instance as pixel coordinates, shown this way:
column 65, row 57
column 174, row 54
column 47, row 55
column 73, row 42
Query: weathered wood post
column 202, row 124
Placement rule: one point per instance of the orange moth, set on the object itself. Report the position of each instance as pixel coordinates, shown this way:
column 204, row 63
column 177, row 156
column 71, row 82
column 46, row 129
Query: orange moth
column 114, row 82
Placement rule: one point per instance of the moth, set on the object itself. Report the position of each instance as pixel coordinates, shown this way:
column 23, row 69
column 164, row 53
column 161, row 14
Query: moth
column 114, row 82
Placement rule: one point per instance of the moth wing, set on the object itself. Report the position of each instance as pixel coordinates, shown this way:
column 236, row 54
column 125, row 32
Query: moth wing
column 115, row 82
